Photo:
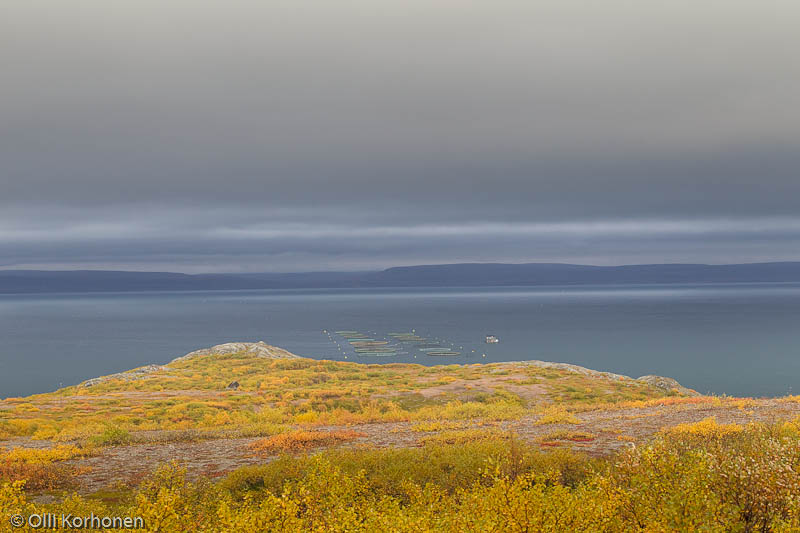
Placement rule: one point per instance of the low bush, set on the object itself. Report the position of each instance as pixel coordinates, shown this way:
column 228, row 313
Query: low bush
column 735, row 480
column 111, row 436
column 295, row 441
column 557, row 437
column 38, row 476
column 556, row 414
column 61, row 452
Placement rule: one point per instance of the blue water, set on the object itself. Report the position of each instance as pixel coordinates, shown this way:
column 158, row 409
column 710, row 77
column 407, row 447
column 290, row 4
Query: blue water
column 739, row 339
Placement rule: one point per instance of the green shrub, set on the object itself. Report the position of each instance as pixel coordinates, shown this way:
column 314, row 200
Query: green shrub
column 111, row 436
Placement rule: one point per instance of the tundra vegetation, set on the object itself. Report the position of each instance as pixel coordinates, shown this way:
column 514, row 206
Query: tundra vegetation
column 461, row 461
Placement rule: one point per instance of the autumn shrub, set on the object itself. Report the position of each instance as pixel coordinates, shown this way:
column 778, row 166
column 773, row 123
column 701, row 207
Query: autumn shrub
column 386, row 471
column 111, row 436
column 38, row 476
column 729, row 480
column 556, row 437
column 168, row 502
column 703, row 431
column 712, row 475
column 463, row 436
column 39, row 468
column 330, row 497
column 295, row 441
column 61, row 452
column 458, row 410
column 556, row 414
column 439, row 425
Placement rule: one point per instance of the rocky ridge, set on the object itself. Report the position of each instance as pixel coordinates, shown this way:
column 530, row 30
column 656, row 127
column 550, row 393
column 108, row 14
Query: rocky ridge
column 659, row 382
column 267, row 351
column 260, row 349
column 129, row 375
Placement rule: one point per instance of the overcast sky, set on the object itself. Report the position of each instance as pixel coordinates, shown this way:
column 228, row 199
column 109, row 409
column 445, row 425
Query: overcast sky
column 282, row 136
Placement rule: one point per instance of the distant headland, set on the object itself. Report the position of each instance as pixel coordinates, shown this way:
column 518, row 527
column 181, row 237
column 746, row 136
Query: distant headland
column 450, row 275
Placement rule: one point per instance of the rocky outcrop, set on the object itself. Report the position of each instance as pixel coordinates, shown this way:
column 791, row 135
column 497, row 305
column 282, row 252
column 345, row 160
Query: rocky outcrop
column 130, row 375
column 267, row 351
column 259, row 349
column 667, row 384
column 659, row 382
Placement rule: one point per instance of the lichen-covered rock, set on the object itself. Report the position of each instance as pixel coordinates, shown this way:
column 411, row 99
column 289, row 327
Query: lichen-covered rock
column 259, row 349
column 129, row 375
column 667, row 384
column 574, row 368
column 659, row 382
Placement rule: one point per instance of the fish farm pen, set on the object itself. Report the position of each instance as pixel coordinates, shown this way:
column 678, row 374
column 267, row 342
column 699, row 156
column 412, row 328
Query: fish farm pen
column 355, row 344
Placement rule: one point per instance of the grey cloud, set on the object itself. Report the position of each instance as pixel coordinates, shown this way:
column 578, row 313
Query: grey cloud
column 151, row 133
column 184, row 242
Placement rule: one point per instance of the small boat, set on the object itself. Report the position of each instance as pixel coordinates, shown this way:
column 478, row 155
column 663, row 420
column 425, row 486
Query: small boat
column 492, row 339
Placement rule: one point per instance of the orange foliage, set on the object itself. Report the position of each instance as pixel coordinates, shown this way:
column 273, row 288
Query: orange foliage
column 38, row 476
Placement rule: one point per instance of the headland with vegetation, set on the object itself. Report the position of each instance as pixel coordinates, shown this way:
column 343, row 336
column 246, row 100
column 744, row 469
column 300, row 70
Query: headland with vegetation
column 249, row 437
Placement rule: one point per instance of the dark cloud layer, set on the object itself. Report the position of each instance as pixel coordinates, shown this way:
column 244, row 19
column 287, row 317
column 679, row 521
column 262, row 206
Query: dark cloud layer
column 273, row 135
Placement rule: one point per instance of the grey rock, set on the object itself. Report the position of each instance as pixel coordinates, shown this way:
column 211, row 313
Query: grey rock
column 667, row 384
column 233, row 385
column 659, row 382
column 259, row 349
column 130, row 375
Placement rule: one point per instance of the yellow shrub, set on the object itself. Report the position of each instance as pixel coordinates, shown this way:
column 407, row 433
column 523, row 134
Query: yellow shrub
column 309, row 417
column 707, row 428
column 437, row 425
column 302, row 440
column 13, row 501
column 464, row 436
column 43, row 455
column 556, row 414
column 564, row 435
column 457, row 410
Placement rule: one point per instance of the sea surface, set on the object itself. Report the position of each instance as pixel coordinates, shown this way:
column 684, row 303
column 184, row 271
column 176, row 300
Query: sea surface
column 739, row 340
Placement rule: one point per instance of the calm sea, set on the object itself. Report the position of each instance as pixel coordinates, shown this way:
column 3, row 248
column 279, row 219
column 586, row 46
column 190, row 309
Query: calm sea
column 739, row 339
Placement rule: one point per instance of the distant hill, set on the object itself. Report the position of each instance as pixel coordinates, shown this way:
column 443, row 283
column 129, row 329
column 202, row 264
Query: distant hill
column 471, row 274
column 44, row 281
column 456, row 275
